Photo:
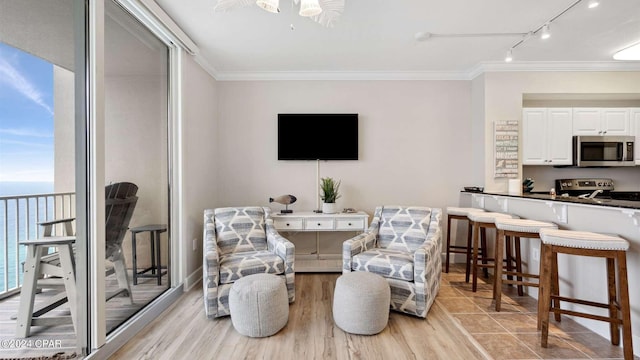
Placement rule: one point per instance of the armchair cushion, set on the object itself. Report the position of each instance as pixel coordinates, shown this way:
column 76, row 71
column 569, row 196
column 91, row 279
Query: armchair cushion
column 240, row 229
column 387, row 263
column 403, row 228
column 235, row 266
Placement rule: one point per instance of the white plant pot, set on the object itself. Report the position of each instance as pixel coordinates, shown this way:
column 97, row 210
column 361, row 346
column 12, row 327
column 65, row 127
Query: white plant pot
column 329, row 208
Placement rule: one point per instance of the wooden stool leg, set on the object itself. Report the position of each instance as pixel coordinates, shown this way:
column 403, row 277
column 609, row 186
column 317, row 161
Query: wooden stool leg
column 545, row 297
column 509, row 256
column 614, row 328
column 555, row 285
column 624, row 305
column 474, row 262
column 446, row 267
column 485, row 254
column 497, row 279
column 469, row 241
column 540, row 273
column 516, row 243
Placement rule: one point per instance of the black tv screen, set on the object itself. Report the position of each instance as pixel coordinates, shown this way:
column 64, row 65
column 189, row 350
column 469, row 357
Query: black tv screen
column 317, row 136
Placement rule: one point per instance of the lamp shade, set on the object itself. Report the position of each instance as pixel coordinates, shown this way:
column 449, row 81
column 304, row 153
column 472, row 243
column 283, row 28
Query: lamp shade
column 269, row 5
column 310, row 8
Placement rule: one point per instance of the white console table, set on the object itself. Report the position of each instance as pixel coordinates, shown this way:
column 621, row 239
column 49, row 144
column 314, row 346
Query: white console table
column 309, row 221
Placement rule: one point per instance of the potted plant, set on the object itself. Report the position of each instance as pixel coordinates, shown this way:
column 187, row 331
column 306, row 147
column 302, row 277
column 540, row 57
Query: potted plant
column 329, row 195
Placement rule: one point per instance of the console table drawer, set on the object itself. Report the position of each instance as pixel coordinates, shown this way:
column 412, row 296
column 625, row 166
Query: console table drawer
column 319, row 224
column 350, row 224
column 288, row 224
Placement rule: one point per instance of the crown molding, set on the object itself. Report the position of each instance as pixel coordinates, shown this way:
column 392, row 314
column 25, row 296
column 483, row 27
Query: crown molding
column 481, row 68
column 340, row 75
column 206, row 65
column 524, row 66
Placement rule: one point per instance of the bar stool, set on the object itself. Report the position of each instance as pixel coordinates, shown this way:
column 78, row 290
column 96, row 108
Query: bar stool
column 481, row 221
column 611, row 247
column 516, row 228
column 458, row 213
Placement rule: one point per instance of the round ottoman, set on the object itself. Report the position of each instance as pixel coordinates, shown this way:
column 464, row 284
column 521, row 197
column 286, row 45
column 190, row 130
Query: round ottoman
column 259, row 305
column 361, row 303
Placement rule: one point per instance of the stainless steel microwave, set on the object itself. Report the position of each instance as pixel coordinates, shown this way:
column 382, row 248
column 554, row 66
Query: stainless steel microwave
column 603, row 151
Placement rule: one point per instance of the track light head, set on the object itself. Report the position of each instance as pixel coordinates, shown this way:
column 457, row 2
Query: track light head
column 509, row 57
column 593, row 4
column 545, row 34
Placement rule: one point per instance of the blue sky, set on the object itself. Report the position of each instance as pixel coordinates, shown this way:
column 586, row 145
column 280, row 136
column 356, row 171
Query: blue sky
column 26, row 116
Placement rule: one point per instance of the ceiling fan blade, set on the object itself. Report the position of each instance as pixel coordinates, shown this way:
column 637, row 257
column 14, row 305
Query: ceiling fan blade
column 331, row 12
column 225, row 5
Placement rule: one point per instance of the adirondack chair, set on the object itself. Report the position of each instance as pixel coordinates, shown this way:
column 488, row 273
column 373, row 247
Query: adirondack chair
column 59, row 267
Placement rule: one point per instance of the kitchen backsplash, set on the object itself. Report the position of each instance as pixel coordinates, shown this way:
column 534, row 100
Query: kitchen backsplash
column 625, row 178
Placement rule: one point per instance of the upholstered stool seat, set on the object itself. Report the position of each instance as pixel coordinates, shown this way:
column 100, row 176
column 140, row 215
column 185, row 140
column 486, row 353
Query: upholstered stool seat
column 480, row 221
column 460, row 213
column 509, row 228
column 611, row 247
column 585, row 240
column 259, row 305
column 361, row 303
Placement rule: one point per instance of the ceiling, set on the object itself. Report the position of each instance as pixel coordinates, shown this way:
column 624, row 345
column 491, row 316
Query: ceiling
column 375, row 38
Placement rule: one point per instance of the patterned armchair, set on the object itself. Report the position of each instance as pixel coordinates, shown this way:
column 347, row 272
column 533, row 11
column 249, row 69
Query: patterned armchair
column 403, row 245
column 240, row 242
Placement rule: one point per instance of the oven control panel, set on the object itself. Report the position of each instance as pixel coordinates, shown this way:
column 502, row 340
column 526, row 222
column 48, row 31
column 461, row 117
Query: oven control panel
column 584, row 184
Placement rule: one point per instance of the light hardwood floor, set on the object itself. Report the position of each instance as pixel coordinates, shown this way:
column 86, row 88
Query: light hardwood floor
column 183, row 331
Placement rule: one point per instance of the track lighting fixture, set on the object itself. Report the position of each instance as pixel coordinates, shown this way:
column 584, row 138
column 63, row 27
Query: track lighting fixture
column 545, row 34
column 593, row 4
column 509, row 56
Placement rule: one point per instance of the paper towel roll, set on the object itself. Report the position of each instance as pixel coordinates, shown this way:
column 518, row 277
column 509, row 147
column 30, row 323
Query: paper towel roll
column 515, row 187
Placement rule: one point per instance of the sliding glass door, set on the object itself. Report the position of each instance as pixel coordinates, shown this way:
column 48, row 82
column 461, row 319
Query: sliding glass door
column 136, row 165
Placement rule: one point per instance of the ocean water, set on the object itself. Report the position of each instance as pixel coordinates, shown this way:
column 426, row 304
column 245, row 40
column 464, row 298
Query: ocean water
column 12, row 231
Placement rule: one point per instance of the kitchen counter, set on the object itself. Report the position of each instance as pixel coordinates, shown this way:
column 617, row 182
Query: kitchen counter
column 627, row 204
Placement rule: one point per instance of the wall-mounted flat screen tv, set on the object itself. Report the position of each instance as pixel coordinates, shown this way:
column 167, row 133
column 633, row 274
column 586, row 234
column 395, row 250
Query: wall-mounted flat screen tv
column 317, row 136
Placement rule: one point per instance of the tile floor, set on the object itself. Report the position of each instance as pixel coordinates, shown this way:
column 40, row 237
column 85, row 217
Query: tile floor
column 512, row 333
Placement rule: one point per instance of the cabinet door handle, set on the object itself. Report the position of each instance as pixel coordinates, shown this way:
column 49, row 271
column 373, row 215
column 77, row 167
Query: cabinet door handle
column 287, row 224
column 349, row 224
column 604, row 132
column 318, row 224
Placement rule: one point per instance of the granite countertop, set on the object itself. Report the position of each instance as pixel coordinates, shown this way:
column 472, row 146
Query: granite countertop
column 571, row 199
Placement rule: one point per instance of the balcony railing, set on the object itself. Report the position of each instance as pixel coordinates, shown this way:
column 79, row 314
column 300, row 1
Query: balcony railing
column 19, row 218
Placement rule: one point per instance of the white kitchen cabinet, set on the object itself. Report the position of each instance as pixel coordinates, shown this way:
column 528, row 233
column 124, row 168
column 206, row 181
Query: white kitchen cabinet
column 635, row 127
column 547, row 136
column 601, row 121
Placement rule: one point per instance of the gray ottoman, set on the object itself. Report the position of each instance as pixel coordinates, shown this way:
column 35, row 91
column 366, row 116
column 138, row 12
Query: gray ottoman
column 361, row 303
column 259, row 305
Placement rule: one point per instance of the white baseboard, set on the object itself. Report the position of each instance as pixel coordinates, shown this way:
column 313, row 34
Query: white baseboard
column 193, row 279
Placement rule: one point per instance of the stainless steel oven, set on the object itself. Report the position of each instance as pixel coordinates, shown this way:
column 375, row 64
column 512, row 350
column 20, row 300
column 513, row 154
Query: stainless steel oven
column 603, row 151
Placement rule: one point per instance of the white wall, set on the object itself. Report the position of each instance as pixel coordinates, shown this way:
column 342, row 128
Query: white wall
column 200, row 154
column 414, row 142
column 64, row 130
column 503, row 93
column 477, row 131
